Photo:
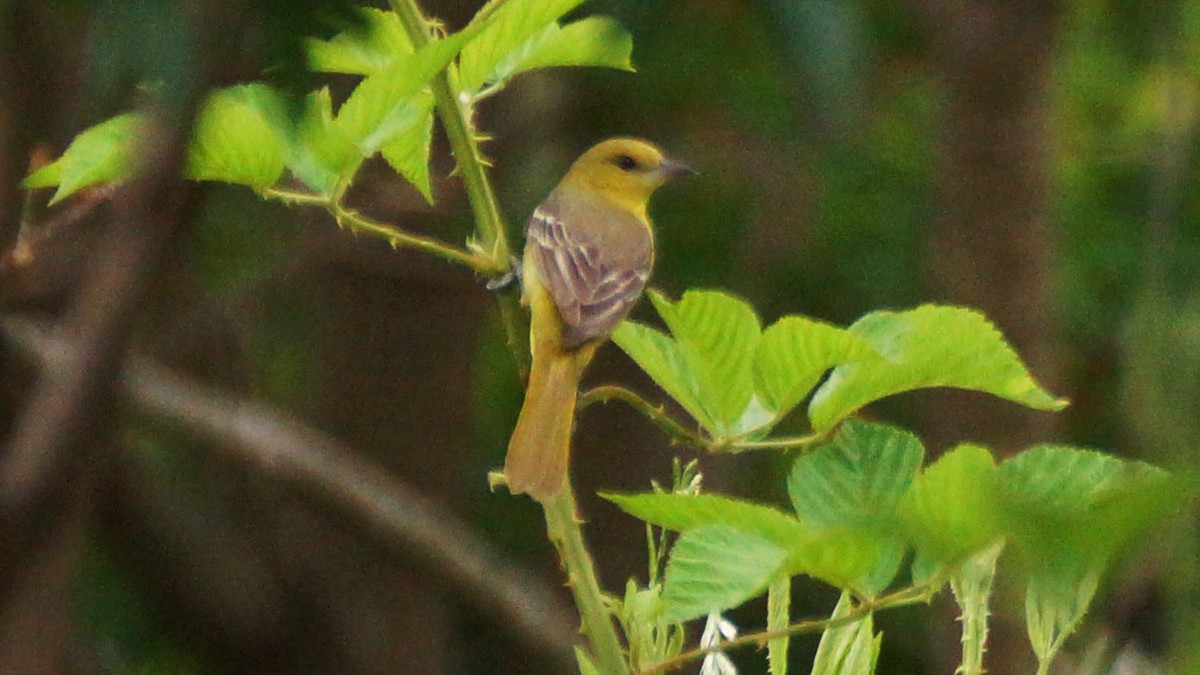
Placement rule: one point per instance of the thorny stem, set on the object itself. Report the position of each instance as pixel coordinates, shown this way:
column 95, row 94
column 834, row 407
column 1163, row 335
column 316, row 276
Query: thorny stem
column 910, row 595
column 456, row 116
column 562, row 527
column 680, row 433
column 393, row 235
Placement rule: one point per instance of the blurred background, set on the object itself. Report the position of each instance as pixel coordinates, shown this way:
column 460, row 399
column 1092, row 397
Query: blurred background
column 1035, row 159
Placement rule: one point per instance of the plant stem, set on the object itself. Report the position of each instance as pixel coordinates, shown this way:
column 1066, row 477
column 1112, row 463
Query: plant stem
column 563, row 528
column 394, row 235
column 490, row 229
column 972, row 587
column 910, row 595
column 656, row 413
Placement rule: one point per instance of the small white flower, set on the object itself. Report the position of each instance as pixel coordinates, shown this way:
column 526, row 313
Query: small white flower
column 717, row 663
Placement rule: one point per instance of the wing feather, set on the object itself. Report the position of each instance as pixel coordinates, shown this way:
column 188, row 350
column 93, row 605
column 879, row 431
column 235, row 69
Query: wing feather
column 593, row 291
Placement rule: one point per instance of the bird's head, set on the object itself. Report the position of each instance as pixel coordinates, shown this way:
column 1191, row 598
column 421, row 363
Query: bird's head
column 625, row 171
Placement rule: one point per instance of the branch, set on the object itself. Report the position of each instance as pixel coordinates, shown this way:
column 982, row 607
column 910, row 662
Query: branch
column 49, row 438
column 284, row 447
column 910, row 595
column 490, row 228
column 562, row 527
column 395, row 236
column 680, row 433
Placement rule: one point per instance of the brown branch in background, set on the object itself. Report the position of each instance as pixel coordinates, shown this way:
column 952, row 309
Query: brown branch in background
column 296, row 453
column 49, row 437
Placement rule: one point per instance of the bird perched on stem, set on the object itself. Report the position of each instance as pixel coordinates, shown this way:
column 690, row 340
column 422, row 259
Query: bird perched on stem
column 588, row 253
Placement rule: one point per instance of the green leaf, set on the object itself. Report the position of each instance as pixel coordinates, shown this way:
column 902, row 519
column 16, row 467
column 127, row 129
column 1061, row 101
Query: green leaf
column 715, row 567
column 661, row 358
column 950, row 511
column 717, row 334
column 594, row 41
column 104, row 153
column 836, row 555
column 779, row 598
column 1056, row 599
column 386, row 103
column 847, row 648
column 363, row 49
column 680, row 513
column 1061, row 499
column 318, row 153
column 515, row 22
column 857, row 481
column 793, row 354
column 930, row 346
column 1067, row 510
column 236, row 137
column 408, row 151
column 857, row 478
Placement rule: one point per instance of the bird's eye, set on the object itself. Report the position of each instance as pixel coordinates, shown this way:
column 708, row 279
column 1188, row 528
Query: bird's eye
column 625, row 162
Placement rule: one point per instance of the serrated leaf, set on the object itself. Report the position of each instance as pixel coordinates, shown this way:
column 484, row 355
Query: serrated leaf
column 236, row 138
column 779, row 598
column 594, row 41
column 857, row 478
column 660, row 357
column 318, row 153
column 717, row 334
column 857, row 481
column 408, row 150
column 930, row 346
column 1057, row 598
column 716, row 567
column 847, row 648
column 363, row 49
column 950, row 510
column 1061, row 500
column 511, row 25
column 836, row 555
column 793, row 354
column 104, row 153
column 386, row 102
column 680, row 513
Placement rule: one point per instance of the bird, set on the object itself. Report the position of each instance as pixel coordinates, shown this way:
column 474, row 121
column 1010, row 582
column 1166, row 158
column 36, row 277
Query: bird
column 589, row 251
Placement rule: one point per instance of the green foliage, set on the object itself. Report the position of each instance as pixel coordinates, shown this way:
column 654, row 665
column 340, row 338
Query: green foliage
column 734, row 378
column 362, row 49
column 237, row 139
column 714, row 567
column 856, row 482
column 930, row 346
column 244, row 135
column 847, row 648
column 104, row 153
column 950, row 511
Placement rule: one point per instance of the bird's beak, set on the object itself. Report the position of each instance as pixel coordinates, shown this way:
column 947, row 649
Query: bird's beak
column 672, row 168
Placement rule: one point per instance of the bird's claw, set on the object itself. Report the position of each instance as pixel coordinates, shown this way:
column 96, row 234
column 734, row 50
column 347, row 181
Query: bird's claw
column 506, row 280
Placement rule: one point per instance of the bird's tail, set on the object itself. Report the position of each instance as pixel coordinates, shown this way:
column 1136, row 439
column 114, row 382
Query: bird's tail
column 541, row 444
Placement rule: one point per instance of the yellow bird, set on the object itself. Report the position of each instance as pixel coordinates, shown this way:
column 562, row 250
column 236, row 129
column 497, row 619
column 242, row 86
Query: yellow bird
column 588, row 253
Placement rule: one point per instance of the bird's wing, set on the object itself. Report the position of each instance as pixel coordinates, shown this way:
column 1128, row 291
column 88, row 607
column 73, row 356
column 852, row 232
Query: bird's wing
column 593, row 290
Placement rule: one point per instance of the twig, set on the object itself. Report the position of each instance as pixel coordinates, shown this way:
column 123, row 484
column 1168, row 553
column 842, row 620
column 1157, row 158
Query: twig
column 911, row 595
column 395, row 236
column 680, row 433
column 656, row 413
column 296, row 453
